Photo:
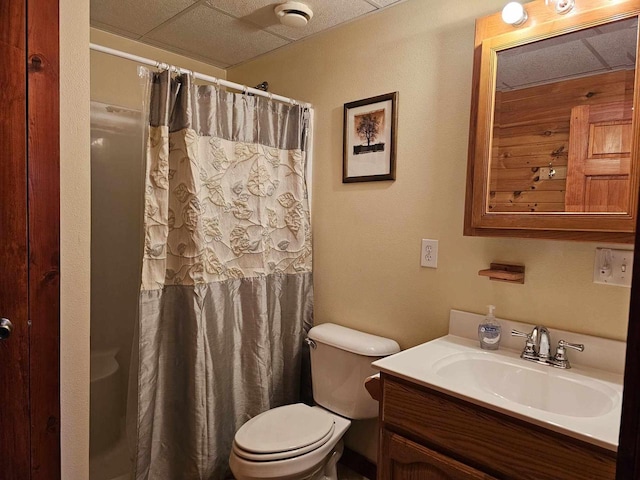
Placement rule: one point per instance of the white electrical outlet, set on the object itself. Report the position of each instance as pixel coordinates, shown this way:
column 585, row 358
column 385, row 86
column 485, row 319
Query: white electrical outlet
column 429, row 253
column 613, row 266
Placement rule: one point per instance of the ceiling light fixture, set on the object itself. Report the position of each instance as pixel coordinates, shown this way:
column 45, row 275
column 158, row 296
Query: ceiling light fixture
column 293, row 14
column 514, row 14
column 561, row 6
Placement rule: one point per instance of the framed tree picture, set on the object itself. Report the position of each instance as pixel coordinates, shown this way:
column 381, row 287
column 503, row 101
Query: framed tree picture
column 370, row 129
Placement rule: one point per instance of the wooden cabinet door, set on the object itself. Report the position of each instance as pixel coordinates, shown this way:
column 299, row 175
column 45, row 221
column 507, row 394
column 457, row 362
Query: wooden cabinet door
column 600, row 141
column 402, row 459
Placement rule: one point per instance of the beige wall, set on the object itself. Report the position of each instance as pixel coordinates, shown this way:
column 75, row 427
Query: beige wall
column 75, row 205
column 367, row 236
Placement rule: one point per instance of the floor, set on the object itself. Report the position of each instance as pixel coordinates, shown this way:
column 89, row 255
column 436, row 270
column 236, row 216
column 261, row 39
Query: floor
column 345, row 474
column 113, row 464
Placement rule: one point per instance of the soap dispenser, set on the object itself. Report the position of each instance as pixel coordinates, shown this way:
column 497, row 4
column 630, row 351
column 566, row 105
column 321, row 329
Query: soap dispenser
column 489, row 331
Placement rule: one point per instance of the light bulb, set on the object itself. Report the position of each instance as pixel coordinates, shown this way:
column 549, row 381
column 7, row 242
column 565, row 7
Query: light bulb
column 514, row 14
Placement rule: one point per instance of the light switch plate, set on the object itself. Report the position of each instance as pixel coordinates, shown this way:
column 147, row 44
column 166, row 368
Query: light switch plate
column 613, row 266
column 429, row 253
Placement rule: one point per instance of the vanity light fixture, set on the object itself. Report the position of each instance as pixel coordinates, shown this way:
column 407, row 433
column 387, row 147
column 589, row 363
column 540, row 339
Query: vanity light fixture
column 514, row 14
column 561, row 6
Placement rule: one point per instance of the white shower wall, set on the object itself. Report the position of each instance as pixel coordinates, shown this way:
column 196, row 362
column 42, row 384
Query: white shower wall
column 116, row 227
column 116, row 252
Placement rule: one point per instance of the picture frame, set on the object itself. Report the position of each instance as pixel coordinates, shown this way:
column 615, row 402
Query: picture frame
column 369, row 139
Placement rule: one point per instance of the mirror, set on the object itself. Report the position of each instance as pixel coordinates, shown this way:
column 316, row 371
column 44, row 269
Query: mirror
column 554, row 147
column 561, row 137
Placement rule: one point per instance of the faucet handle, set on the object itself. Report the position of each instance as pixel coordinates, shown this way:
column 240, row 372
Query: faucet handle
column 518, row 333
column 575, row 346
column 529, row 346
column 560, row 359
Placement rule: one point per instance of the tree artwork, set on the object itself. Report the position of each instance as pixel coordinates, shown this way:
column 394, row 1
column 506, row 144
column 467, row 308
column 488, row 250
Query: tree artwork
column 368, row 127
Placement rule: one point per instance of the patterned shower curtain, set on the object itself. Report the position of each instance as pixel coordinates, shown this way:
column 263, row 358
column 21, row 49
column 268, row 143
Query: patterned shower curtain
column 227, row 293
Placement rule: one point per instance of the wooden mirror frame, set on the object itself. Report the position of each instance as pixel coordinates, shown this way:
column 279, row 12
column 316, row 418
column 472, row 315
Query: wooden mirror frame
column 492, row 35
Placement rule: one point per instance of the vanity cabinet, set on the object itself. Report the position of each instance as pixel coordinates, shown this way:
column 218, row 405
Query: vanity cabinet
column 428, row 435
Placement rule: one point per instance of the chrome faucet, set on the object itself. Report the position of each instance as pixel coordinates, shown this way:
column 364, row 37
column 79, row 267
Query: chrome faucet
column 542, row 341
column 537, row 348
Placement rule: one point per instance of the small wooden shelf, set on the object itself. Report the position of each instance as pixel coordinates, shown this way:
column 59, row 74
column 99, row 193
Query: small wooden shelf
column 503, row 272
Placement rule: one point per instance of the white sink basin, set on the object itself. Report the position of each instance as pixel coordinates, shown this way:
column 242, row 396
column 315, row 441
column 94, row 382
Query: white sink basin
column 549, row 389
column 582, row 402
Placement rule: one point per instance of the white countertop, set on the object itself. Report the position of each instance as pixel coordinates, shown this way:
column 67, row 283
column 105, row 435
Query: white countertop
column 424, row 365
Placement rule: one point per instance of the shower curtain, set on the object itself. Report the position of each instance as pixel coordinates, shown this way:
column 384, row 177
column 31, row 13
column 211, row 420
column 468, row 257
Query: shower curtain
column 226, row 294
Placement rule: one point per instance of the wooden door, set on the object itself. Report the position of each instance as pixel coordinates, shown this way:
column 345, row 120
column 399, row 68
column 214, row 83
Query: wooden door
column 14, row 359
column 407, row 460
column 29, row 241
column 600, row 139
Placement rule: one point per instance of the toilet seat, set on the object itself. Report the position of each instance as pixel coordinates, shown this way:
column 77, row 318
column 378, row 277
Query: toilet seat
column 265, row 457
column 284, row 432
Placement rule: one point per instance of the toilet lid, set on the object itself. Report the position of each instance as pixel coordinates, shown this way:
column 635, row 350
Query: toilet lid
column 282, row 429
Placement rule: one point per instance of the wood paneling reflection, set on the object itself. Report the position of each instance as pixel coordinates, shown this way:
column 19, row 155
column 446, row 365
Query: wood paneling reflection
column 531, row 133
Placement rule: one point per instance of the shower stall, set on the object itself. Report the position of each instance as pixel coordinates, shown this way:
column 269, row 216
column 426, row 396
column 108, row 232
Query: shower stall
column 201, row 290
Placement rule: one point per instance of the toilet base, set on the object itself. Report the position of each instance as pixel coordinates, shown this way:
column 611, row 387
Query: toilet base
column 330, row 470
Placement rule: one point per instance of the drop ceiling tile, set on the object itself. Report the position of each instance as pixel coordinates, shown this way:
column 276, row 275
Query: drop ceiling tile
column 189, row 54
column 244, row 8
column 114, row 30
column 555, row 63
column 584, row 52
column 210, row 34
column 137, row 17
column 326, row 14
column 385, row 3
column 617, row 48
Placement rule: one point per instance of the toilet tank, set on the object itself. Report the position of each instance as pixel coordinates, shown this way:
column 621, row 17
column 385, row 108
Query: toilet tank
column 340, row 363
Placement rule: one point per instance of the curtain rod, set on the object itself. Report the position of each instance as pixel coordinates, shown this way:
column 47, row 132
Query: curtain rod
column 199, row 76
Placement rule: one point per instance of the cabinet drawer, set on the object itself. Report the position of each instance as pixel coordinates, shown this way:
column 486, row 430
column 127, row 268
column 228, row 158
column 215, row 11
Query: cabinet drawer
column 407, row 460
column 507, row 447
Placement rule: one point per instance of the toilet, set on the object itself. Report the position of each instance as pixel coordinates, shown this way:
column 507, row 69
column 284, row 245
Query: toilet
column 300, row 442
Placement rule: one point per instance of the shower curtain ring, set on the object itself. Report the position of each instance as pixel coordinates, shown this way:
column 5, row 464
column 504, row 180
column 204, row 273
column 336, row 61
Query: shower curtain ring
column 245, row 90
